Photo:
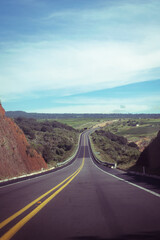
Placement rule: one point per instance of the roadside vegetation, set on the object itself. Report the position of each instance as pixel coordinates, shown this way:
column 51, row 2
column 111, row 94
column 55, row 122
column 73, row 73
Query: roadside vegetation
column 120, row 141
column 55, row 141
column 131, row 143
column 111, row 148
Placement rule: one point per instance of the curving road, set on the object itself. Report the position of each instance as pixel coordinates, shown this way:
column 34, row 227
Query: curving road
column 81, row 201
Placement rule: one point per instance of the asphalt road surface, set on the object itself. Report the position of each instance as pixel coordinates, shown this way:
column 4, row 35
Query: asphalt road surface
column 81, row 201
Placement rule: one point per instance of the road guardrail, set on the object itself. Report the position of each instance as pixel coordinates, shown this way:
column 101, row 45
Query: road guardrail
column 73, row 156
column 111, row 165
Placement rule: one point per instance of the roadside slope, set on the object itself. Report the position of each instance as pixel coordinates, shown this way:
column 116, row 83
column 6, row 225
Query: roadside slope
column 16, row 155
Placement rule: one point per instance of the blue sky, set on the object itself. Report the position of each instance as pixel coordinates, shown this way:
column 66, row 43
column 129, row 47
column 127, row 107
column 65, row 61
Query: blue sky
column 80, row 56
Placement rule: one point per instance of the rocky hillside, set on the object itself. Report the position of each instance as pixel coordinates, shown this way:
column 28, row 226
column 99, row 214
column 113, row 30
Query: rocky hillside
column 16, row 155
column 150, row 157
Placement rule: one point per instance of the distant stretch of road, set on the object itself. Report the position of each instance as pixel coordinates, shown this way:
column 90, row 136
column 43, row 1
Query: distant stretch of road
column 83, row 200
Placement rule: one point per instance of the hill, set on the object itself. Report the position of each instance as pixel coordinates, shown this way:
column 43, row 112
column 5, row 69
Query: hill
column 15, row 114
column 55, row 141
column 112, row 148
column 16, row 155
column 150, row 157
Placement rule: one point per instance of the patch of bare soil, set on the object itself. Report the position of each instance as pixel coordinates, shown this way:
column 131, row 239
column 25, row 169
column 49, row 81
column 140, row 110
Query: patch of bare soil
column 143, row 143
column 104, row 124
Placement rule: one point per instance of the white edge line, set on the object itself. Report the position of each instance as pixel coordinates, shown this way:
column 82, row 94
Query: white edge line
column 135, row 185
column 121, row 179
column 8, row 185
column 29, row 179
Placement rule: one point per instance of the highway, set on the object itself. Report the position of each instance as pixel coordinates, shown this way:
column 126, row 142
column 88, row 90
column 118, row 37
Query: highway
column 81, row 201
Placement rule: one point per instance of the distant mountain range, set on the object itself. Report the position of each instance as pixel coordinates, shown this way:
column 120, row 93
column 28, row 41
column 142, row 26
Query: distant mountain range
column 15, row 114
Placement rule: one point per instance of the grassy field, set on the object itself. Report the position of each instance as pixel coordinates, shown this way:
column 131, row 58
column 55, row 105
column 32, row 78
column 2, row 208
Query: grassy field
column 140, row 131
column 81, row 123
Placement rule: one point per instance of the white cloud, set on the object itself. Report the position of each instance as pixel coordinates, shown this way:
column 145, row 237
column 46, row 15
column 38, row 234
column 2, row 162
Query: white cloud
column 76, row 66
column 87, row 108
column 104, row 105
column 127, row 50
column 123, row 101
column 119, row 11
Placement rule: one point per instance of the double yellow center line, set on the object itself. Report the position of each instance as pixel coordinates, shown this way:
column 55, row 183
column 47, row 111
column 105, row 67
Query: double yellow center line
column 8, row 235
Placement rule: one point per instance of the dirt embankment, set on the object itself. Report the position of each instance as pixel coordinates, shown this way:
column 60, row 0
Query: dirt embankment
column 104, row 124
column 16, row 155
column 142, row 143
column 150, row 155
